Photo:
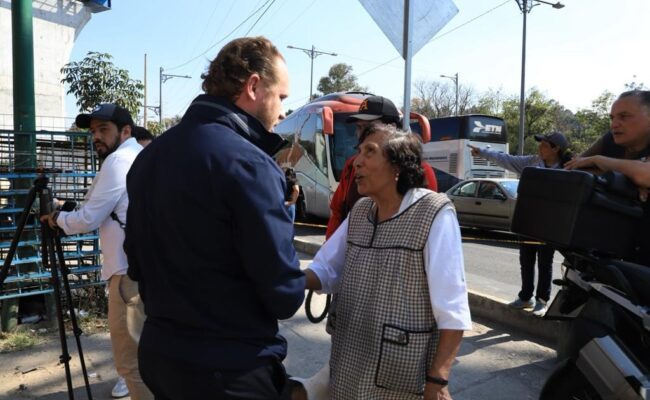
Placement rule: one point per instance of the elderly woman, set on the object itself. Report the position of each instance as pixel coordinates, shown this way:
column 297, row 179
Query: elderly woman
column 396, row 263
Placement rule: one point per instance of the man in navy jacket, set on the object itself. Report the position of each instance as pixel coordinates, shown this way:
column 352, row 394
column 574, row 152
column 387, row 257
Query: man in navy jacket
column 209, row 239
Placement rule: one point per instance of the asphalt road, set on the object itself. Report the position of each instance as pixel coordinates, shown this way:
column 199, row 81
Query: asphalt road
column 491, row 259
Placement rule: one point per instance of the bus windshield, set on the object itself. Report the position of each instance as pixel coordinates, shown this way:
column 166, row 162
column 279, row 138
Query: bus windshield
column 343, row 143
column 486, row 129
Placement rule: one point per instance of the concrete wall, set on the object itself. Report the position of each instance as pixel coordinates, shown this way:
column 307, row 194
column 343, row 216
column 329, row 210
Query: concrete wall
column 56, row 25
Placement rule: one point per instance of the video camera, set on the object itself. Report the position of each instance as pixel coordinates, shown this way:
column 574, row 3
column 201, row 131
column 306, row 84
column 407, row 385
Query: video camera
column 579, row 212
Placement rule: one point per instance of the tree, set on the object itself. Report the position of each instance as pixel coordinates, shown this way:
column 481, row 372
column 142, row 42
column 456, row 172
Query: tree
column 95, row 80
column 592, row 123
column 437, row 99
column 339, row 79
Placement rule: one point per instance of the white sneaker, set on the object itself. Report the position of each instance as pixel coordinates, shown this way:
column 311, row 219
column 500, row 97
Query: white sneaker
column 540, row 308
column 120, row 389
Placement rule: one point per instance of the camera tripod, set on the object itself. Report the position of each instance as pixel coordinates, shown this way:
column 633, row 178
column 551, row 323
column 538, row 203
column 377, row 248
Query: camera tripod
column 52, row 257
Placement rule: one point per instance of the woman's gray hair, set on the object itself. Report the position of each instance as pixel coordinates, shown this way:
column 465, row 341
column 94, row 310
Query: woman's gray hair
column 403, row 150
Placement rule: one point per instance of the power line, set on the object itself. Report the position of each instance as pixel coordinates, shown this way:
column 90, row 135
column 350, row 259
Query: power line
column 258, row 20
column 296, row 19
column 439, row 36
column 224, row 38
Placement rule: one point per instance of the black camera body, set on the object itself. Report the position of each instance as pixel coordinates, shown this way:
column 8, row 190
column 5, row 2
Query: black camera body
column 579, row 211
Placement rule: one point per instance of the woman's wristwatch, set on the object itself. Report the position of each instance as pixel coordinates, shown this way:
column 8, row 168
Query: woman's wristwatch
column 437, row 380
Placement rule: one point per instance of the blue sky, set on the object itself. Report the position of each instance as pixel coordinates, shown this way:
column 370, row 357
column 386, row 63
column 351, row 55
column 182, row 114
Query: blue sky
column 573, row 54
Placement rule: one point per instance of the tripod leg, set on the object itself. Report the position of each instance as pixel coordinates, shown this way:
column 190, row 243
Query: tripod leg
column 48, row 252
column 22, row 220
column 73, row 317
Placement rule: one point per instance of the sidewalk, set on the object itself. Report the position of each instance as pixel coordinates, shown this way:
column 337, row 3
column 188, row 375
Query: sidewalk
column 493, row 364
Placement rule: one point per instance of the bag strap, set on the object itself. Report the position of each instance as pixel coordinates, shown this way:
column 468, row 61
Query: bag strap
column 116, row 219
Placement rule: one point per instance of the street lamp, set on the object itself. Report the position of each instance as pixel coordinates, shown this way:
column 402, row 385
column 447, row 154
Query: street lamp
column 162, row 79
column 312, row 53
column 455, row 79
column 525, row 8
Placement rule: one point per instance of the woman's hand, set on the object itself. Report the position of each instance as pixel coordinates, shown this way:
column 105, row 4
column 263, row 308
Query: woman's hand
column 474, row 150
column 433, row 391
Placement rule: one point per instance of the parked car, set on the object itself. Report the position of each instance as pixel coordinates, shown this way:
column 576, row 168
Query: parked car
column 485, row 203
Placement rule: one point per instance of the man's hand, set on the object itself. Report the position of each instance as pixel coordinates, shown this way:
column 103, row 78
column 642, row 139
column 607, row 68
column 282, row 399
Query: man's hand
column 582, row 163
column 433, row 391
column 474, row 150
column 50, row 219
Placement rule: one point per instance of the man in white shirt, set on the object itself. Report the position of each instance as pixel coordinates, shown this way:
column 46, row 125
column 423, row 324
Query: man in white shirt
column 105, row 207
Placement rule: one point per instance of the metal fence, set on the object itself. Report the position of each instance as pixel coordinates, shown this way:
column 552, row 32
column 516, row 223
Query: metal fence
column 68, row 160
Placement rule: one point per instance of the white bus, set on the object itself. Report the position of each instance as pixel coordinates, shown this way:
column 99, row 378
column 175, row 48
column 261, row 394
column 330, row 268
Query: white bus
column 320, row 141
column 448, row 154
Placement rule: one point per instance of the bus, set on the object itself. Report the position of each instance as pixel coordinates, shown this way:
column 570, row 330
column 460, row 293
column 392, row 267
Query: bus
column 319, row 143
column 447, row 151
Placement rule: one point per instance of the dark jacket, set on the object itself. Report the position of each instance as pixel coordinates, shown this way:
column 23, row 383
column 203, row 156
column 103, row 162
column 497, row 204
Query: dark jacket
column 209, row 240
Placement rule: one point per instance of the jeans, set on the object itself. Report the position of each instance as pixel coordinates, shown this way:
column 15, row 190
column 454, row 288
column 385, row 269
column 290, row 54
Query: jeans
column 527, row 255
column 292, row 212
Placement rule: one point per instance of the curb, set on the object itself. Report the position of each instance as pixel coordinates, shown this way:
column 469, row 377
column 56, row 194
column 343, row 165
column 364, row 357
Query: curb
column 485, row 306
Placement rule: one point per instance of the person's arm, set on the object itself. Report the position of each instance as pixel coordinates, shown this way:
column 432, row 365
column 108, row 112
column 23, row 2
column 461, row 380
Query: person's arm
column 263, row 232
column 337, row 204
column 638, row 171
column 507, row 161
column 104, row 196
column 295, row 191
column 324, row 272
column 444, row 265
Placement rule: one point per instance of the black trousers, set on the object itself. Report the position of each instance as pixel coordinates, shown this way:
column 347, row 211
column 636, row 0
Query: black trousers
column 172, row 380
column 544, row 255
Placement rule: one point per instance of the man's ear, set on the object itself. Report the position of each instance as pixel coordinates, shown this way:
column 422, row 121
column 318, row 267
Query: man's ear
column 251, row 86
column 126, row 132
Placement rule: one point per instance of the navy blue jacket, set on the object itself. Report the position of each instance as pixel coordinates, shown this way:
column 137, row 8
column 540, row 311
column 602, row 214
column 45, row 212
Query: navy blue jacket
column 209, row 240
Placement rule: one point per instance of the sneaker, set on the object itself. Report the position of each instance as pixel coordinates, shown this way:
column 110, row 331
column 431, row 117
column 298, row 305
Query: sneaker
column 120, row 389
column 540, row 308
column 521, row 304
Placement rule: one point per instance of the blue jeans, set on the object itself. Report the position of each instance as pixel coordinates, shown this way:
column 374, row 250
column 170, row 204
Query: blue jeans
column 292, row 212
column 527, row 255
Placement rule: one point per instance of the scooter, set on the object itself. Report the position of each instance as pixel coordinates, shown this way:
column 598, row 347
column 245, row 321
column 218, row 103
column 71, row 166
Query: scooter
column 594, row 221
column 605, row 351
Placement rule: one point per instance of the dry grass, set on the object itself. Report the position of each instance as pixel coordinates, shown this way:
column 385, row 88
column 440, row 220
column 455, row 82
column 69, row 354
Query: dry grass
column 17, row 341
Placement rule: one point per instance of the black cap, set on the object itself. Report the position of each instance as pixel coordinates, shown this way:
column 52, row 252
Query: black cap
column 555, row 138
column 376, row 107
column 106, row 112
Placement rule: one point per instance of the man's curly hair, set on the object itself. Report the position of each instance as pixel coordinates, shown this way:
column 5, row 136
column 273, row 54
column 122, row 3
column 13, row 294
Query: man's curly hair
column 403, row 150
column 236, row 62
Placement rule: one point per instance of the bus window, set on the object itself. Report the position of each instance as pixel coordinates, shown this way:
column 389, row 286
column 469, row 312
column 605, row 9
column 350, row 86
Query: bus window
column 486, row 129
column 321, row 150
column 445, row 129
column 343, row 144
column 307, row 133
column 287, row 128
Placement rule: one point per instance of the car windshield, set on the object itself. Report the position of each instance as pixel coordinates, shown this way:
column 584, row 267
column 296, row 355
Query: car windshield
column 343, row 143
column 511, row 187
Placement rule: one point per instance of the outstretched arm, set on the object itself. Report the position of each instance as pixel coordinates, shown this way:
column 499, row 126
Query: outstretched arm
column 637, row 171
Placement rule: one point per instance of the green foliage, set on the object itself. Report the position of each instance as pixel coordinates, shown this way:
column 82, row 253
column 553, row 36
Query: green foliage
column 339, row 79
column 592, row 123
column 17, row 341
column 95, row 80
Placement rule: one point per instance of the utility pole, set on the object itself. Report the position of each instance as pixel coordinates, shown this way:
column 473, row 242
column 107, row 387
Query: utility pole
column 164, row 78
column 525, row 9
column 312, row 53
column 455, row 79
column 145, row 91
